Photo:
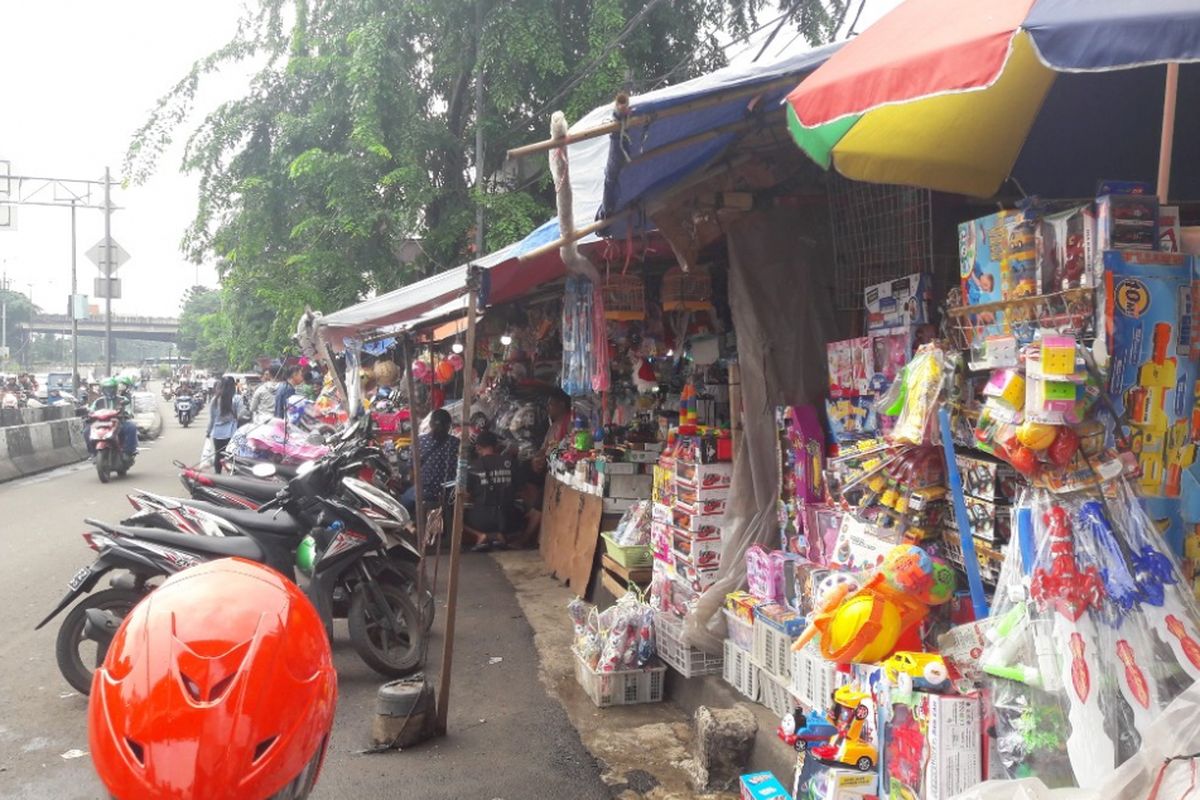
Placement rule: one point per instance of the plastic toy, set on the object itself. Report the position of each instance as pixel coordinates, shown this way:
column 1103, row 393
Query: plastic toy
column 1036, row 435
column 799, row 729
column 864, row 625
column 920, row 386
column 924, row 671
column 851, row 708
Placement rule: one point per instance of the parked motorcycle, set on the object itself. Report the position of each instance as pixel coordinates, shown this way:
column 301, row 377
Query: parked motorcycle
column 184, row 405
column 105, row 433
column 346, row 555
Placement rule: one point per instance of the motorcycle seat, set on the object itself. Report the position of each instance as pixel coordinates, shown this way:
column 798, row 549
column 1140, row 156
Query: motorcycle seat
column 253, row 488
column 239, row 546
column 275, row 521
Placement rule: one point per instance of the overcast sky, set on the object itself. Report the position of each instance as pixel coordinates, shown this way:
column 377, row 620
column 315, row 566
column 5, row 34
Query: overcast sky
column 77, row 78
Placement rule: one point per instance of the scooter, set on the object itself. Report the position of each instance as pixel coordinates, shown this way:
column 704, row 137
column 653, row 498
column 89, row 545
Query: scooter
column 183, row 409
column 105, row 433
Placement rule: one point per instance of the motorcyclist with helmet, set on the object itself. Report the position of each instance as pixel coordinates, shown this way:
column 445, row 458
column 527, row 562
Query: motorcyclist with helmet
column 115, row 393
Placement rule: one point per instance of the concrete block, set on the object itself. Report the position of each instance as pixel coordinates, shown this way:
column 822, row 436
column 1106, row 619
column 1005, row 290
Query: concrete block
column 722, row 741
column 38, row 447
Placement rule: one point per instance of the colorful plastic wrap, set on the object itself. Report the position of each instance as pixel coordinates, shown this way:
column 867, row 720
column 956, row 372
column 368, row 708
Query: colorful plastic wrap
column 764, row 573
column 634, row 527
column 1105, row 629
column 620, row 637
column 913, row 398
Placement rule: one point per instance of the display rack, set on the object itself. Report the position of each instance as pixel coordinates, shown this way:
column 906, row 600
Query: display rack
column 1072, row 310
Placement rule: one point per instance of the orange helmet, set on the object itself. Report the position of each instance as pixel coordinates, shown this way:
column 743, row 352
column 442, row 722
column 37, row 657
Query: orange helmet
column 220, row 684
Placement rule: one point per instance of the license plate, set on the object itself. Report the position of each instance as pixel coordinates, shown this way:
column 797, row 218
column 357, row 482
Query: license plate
column 79, row 578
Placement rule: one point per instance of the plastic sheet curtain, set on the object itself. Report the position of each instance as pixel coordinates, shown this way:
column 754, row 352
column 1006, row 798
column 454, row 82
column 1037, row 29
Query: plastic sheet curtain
column 782, row 307
column 585, row 339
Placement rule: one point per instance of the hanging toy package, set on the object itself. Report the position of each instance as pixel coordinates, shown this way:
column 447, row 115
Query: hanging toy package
column 913, row 398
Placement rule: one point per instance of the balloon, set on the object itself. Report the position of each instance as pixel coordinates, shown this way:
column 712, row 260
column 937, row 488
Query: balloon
column 444, row 372
column 456, row 361
column 420, row 370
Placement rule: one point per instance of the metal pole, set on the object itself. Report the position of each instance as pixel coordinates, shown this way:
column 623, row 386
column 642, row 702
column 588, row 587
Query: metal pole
column 414, row 418
column 464, row 444
column 108, row 258
column 479, row 128
column 4, row 312
column 74, row 315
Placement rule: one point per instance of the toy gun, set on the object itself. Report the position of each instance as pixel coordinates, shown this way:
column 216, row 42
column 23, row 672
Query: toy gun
column 1123, row 597
column 1067, row 592
column 1146, row 406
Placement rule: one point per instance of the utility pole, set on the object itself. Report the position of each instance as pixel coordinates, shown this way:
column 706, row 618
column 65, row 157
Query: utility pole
column 478, row 135
column 74, row 312
column 4, row 313
column 108, row 257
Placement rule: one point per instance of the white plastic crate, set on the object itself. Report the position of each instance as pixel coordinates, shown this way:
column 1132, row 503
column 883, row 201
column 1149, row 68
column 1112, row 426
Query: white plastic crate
column 687, row 661
column 739, row 671
column 739, row 631
column 622, row 688
column 775, row 695
column 772, row 650
column 814, row 678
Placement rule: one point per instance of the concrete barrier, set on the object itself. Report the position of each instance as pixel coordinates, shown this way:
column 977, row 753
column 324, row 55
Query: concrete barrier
column 26, row 449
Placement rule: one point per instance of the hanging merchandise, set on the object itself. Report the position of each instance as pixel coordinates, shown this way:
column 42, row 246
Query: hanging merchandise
column 687, row 291
column 585, row 339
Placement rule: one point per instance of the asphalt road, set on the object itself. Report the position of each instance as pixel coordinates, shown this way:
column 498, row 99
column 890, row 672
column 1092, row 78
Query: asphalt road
column 508, row 740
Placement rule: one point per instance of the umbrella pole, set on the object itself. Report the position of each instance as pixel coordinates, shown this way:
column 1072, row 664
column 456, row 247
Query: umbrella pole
column 460, row 498
column 1168, row 133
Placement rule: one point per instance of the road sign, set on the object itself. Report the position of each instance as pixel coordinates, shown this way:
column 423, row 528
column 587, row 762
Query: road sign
column 103, row 287
column 77, row 306
column 99, row 256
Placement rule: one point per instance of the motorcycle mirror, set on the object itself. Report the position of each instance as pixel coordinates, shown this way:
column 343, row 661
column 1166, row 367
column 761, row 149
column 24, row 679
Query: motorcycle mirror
column 263, row 470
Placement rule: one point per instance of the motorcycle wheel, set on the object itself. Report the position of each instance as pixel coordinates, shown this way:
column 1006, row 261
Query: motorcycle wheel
column 102, row 467
column 392, row 657
column 72, row 663
column 409, row 570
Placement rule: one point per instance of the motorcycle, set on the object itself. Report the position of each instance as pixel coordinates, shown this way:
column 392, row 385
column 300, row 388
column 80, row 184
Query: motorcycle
column 105, row 433
column 345, row 554
column 167, row 391
column 183, row 409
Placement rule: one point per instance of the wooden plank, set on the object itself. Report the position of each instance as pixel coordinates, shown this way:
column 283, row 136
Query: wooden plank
column 612, row 584
column 570, row 534
column 585, row 543
column 639, row 575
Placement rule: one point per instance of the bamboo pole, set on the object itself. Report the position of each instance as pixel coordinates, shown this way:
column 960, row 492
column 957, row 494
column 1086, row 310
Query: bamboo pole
column 460, row 498
column 645, row 119
column 575, row 236
column 1167, row 142
column 414, row 421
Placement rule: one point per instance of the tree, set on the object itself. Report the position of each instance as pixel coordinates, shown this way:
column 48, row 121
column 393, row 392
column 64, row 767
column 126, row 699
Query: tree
column 356, row 135
column 204, row 329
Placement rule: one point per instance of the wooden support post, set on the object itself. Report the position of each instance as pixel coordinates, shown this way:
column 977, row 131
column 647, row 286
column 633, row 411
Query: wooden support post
column 414, row 421
column 1167, row 140
column 456, row 532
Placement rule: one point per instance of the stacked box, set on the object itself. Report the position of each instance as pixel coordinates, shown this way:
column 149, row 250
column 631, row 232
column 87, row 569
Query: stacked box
column 933, row 746
column 814, row 678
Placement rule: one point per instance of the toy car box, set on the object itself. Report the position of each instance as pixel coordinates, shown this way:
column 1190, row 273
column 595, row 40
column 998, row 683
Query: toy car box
column 1153, row 371
column 695, row 552
column 991, row 522
column 1126, row 222
column 934, row 747
column 987, row 478
column 842, row 784
column 690, row 494
column 762, row 786
column 1066, row 250
column 850, row 367
column 705, row 476
column 899, row 303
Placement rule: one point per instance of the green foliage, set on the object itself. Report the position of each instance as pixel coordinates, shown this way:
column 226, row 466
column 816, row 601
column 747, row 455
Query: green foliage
column 204, row 329
column 356, row 134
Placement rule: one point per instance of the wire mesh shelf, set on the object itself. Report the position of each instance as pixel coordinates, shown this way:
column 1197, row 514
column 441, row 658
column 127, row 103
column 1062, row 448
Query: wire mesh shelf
column 880, row 232
column 1072, row 310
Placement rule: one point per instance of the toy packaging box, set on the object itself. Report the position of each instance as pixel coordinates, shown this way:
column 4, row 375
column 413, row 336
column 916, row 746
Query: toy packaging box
column 851, row 419
column 1066, row 250
column 850, row 367
column 705, row 476
column 899, row 303
column 1126, row 222
column 987, row 478
column 934, row 747
column 762, row 786
column 842, row 784
column 998, row 257
column 1153, row 371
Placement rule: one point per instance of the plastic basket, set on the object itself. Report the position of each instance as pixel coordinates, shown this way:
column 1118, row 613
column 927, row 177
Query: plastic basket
column 689, row 662
column 775, row 695
column 739, row 671
column 629, row 556
column 772, row 650
column 739, row 631
column 814, row 678
column 621, row 688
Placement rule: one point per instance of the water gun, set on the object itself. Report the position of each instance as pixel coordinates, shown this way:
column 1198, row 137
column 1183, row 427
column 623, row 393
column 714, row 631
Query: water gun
column 1146, row 406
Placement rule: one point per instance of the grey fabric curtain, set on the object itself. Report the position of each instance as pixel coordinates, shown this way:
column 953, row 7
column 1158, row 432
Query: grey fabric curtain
column 780, row 295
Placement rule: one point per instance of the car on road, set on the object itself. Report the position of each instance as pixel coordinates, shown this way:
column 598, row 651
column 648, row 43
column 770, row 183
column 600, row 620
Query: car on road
column 146, row 415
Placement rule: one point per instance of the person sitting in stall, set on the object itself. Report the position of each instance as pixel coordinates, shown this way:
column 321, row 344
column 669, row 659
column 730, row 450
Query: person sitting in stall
column 491, row 515
column 530, row 490
column 439, row 460
column 559, row 409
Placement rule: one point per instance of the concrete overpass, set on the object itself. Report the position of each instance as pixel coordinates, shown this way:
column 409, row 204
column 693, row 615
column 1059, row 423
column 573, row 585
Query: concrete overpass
column 155, row 329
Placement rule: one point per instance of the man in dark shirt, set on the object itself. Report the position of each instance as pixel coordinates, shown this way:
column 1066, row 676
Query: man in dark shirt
column 439, row 462
column 490, row 483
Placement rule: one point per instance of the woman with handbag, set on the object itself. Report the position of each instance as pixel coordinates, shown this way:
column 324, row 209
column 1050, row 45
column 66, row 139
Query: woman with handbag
column 223, row 415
